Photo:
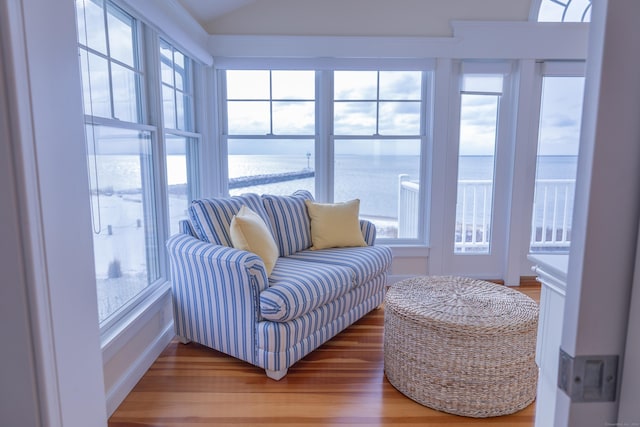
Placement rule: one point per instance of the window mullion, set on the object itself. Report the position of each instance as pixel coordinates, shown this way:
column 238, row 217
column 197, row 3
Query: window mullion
column 426, row 150
column 377, row 103
column 325, row 147
column 270, row 102
column 108, row 57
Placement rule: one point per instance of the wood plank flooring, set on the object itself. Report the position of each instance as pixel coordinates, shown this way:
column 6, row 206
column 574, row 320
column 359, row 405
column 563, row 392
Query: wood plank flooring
column 342, row 383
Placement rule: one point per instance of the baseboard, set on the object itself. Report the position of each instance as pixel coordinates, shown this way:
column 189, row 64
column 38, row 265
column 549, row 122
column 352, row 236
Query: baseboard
column 529, row 281
column 123, row 386
column 131, row 346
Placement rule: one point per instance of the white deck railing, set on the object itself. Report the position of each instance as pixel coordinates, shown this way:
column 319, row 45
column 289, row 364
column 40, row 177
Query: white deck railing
column 552, row 212
column 408, row 207
column 473, row 216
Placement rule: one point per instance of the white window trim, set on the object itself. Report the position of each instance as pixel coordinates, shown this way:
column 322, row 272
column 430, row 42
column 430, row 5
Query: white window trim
column 471, row 39
column 324, row 137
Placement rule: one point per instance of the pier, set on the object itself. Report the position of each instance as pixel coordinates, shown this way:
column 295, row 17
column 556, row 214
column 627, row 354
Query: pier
column 248, row 181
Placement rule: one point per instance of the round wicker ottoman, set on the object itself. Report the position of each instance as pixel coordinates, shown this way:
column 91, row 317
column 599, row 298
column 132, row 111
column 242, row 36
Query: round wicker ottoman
column 460, row 345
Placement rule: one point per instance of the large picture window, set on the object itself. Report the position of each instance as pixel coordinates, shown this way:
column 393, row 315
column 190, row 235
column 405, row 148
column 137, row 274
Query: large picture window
column 119, row 155
column 378, row 125
column 270, row 130
column 369, row 148
column 124, row 143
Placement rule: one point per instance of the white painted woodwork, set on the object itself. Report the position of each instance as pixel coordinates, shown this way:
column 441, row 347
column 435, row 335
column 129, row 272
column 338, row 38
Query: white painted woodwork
column 607, row 204
column 629, row 410
column 362, row 17
column 552, row 273
column 471, row 40
column 20, row 405
column 48, row 142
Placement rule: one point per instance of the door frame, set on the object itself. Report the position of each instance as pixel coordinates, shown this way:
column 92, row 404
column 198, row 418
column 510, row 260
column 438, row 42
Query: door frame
column 602, row 260
column 491, row 265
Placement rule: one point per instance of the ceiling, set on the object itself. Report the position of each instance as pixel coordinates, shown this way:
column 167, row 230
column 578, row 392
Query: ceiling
column 204, row 11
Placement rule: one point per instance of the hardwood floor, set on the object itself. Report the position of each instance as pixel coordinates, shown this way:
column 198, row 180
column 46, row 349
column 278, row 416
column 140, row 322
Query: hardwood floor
column 342, row 383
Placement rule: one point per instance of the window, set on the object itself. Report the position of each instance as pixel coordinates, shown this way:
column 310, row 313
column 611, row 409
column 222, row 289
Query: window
column 557, row 162
column 124, row 145
column 270, row 130
column 479, row 99
column 378, row 126
column 564, row 11
column 181, row 142
column 109, row 58
column 370, row 147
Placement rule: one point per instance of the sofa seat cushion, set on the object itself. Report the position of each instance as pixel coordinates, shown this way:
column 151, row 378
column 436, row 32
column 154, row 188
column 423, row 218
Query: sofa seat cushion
column 296, row 288
column 211, row 218
column 289, row 221
column 275, row 337
column 364, row 263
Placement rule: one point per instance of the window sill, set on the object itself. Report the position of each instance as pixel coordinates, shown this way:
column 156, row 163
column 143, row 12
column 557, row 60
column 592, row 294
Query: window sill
column 409, row 250
column 140, row 310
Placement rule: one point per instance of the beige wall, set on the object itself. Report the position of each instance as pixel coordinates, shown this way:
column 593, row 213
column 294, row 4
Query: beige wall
column 363, row 17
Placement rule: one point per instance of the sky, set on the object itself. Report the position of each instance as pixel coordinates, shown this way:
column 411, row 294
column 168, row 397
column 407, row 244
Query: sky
column 356, row 112
column 365, row 103
column 576, row 11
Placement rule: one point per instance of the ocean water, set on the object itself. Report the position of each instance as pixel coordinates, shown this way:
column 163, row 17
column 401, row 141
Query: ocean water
column 375, row 179
column 372, row 179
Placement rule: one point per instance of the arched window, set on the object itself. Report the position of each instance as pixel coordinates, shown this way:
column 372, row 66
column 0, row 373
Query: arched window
column 561, row 10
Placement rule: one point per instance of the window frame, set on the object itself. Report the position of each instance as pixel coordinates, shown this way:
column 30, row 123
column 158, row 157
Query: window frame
column 149, row 101
column 479, row 264
column 324, row 137
column 555, row 68
column 424, row 137
column 193, row 138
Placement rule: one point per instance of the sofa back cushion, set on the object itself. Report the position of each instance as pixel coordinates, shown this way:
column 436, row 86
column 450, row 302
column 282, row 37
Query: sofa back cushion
column 289, row 221
column 211, row 218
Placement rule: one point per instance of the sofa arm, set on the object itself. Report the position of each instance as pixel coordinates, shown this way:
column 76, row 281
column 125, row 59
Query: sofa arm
column 216, row 294
column 368, row 231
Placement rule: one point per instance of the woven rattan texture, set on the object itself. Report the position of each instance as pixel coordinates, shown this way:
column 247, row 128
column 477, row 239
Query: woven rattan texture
column 461, row 346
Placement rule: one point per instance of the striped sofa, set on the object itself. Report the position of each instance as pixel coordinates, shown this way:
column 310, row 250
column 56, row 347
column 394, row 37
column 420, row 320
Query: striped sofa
column 224, row 300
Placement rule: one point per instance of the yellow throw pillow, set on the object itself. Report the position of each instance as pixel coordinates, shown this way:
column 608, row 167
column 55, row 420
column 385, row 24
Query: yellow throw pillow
column 335, row 225
column 250, row 233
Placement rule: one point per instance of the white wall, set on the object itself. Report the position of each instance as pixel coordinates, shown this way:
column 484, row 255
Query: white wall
column 19, row 404
column 607, row 205
column 41, row 62
column 363, row 17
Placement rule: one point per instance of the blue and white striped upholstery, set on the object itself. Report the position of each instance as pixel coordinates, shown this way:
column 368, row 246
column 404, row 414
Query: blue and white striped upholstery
column 296, row 288
column 364, row 262
column 211, row 218
column 280, row 345
column 185, row 228
column 216, row 294
column 368, row 231
column 224, row 300
column 289, row 221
